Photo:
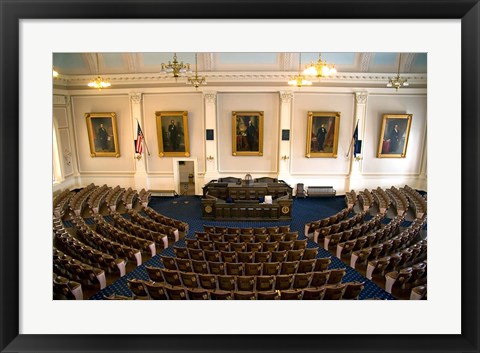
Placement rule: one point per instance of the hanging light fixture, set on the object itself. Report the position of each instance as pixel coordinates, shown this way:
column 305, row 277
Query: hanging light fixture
column 320, row 68
column 397, row 81
column 176, row 68
column 196, row 80
column 299, row 80
column 99, row 83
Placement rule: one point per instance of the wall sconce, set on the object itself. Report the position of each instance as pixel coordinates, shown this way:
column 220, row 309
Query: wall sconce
column 210, row 158
column 285, row 158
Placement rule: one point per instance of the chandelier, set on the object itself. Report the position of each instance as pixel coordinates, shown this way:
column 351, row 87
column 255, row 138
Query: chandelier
column 299, row 80
column 55, row 72
column 320, row 68
column 176, row 68
column 196, row 80
column 99, row 83
column 397, row 81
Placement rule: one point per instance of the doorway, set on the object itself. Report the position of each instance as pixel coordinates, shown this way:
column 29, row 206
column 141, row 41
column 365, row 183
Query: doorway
column 186, row 180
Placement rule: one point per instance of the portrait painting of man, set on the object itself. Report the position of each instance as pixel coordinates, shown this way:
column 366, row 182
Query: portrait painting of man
column 394, row 135
column 322, row 134
column 102, row 133
column 172, row 132
column 247, row 130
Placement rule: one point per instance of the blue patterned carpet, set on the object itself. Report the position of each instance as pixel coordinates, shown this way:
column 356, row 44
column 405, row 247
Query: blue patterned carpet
column 187, row 208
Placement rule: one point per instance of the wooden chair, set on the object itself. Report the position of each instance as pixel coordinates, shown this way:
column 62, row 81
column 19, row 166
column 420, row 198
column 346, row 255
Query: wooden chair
column 189, row 279
column 265, row 283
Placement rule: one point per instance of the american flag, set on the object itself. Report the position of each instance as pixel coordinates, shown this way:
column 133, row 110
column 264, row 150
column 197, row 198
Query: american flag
column 139, row 145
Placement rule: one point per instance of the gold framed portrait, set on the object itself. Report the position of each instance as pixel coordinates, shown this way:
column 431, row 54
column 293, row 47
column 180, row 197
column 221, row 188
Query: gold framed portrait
column 102, row 134
column 322, row 134
column 394, row 135
column 172, row 134
column 247, row 133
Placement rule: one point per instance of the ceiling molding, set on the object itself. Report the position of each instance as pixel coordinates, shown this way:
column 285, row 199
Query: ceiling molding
column 234, row 78
column 366, row 58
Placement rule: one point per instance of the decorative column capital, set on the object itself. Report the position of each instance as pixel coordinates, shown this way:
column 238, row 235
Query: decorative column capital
column 210, row 97
column 286, row 96
column 361, row 97
column 135, row 98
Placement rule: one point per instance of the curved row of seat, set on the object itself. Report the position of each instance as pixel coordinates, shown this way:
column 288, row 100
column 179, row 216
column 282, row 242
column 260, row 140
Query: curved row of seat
column 63, row 288
column 381, row 198
column 387, row 246
column 398, row 199
column 365, row 199
column 144, row 197
column 311, row 227
column 233, row 267
column 148, row 290
column 246, row 238
column 356, row 224
column 168, row 221
column 77, row 201
column 128, row 197
column 97, row 197
column 113, row 197
column 350, row 198
column 61, row 202
column 417, row 201
column 90, row 255
column 368, row 234
column 151, row 224
column 279, row 245
column 143, row 242
column 394, row 261
column 76, row 270
column 104, row 244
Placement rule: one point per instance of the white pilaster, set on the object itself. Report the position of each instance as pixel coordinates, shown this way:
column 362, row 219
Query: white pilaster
column 286, row 99
column 355, row 179
column 141, row 177
column 211, row 161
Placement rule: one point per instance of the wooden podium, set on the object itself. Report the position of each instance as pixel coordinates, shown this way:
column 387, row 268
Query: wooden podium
column 241, row 201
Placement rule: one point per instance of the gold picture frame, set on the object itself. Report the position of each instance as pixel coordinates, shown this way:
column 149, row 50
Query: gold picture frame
column 172, row 134
column 102, row 134
column 394, row 135
column 322, row 134
column 247, row 133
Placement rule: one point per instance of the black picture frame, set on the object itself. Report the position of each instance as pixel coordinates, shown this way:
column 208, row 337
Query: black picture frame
column 285, row 135
column 13, row 11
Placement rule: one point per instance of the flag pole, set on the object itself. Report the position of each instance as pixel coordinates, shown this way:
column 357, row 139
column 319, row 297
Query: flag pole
column 353, row 138
column 144, row 140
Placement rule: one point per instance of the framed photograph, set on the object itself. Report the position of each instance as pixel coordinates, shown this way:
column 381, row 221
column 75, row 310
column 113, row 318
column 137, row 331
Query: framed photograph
column 16, row 176
column 322, row 134
column 394, row 135
column 247, row 133
column 172, row 133
column 102, row 134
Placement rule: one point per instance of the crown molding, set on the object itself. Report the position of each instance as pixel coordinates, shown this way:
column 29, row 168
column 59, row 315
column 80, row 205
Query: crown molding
column 233, row 78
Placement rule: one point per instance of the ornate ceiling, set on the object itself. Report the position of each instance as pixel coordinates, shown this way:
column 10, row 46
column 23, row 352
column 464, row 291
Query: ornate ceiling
column 143, row 69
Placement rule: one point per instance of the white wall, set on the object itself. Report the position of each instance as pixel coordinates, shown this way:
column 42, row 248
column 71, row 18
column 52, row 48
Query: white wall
column 88, row 165
column 394, row 104
column 340, row 172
